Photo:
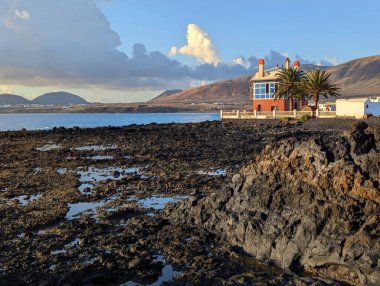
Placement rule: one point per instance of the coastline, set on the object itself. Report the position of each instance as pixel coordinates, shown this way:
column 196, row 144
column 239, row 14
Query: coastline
column 121, row 178
column 125, row 108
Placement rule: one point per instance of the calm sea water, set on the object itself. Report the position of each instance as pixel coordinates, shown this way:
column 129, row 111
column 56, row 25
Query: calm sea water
column 36, row 121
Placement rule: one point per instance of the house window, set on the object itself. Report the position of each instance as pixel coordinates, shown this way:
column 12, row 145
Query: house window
column 264, row 90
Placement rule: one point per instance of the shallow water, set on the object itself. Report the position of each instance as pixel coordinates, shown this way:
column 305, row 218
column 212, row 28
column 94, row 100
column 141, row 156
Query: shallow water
column 37, row 121
column 65, row 247
column 167, row 274
column 96, row 148
column 213, row 173
column 100, row 157
column 97, row 174
column 48, row 147
column 61, row 171
column 24, row 199
column 76, row 209
column 83, row 188
column 158, row 202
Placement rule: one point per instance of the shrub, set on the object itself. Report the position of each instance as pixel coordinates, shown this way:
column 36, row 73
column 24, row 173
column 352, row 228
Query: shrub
column 304, row 118
column 286, row 119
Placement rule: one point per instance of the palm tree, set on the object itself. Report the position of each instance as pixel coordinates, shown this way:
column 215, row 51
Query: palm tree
column 319, row 84
column 290, row 83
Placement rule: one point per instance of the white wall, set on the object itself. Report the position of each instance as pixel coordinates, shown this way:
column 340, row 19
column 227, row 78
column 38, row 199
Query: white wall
column 350, row 108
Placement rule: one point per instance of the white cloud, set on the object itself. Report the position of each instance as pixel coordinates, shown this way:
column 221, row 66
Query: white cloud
column 24, row 15
column 199, row 45
column 332, row 60
column 240, row 61
column 173, row 51
column 55, row 49
column 199, row 83
column 329, row 61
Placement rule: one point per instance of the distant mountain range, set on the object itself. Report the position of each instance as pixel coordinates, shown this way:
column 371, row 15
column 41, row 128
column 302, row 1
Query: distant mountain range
column 360, row 77
column 54, row 98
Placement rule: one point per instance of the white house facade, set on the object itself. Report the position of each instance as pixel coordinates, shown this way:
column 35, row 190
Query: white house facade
column 358, row 107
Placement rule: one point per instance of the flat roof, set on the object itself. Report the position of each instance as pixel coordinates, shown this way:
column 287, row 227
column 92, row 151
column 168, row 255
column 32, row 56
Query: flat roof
column 358, row 99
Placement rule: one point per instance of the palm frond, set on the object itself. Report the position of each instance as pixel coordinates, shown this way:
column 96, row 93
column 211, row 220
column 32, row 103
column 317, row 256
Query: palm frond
column 319, row 83
column 289, row 83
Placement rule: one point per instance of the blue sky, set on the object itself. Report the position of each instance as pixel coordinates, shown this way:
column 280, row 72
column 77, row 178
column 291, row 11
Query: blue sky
column 313, row 29
column 131, row 50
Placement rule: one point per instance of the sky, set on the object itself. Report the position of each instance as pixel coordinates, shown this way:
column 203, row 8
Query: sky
column 131, row 50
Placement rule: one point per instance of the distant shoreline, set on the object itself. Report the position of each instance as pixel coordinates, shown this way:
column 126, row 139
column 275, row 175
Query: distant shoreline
column 129, row 110
column 125, row 108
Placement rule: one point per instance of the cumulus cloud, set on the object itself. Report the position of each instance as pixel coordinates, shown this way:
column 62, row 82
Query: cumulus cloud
column 47, row 43
column 56, row 47
column 240, row 61
column 199, row 45
column 65, row 51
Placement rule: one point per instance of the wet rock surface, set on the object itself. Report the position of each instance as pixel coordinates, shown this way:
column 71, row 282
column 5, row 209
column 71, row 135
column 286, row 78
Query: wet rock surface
column 304, row 205
column 85, row 206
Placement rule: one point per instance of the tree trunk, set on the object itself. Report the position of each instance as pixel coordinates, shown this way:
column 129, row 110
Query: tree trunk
column 291, row 103
column 301, row 101
column 316, row 100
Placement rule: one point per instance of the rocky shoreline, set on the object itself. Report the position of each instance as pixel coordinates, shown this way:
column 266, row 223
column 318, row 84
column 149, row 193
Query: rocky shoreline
column 87, row 206
column 304, row 206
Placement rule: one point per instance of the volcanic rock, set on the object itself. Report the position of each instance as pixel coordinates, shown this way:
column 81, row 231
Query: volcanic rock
column 305, row 205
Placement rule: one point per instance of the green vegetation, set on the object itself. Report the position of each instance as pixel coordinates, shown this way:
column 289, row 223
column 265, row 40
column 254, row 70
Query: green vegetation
column 290, row 84
column 304, row 118
column 286, row 119
column 319, row 84
column 294, row 83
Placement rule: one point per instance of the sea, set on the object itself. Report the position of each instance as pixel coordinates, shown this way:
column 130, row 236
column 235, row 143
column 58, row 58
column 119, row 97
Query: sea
column 41, row 121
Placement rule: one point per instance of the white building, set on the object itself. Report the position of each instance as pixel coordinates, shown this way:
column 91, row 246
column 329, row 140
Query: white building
column 358, row 107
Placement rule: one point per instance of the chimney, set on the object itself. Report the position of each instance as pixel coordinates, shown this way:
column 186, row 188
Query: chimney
column 296, row 65
column 287, row 63
column 261, row 67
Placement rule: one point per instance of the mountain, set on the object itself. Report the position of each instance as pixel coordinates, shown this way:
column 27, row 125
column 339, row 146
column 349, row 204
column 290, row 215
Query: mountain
column 11, row 99
column 168, row 92
column 309, row 67
column 236, row 90
column 360, row 77
column 59, row 98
